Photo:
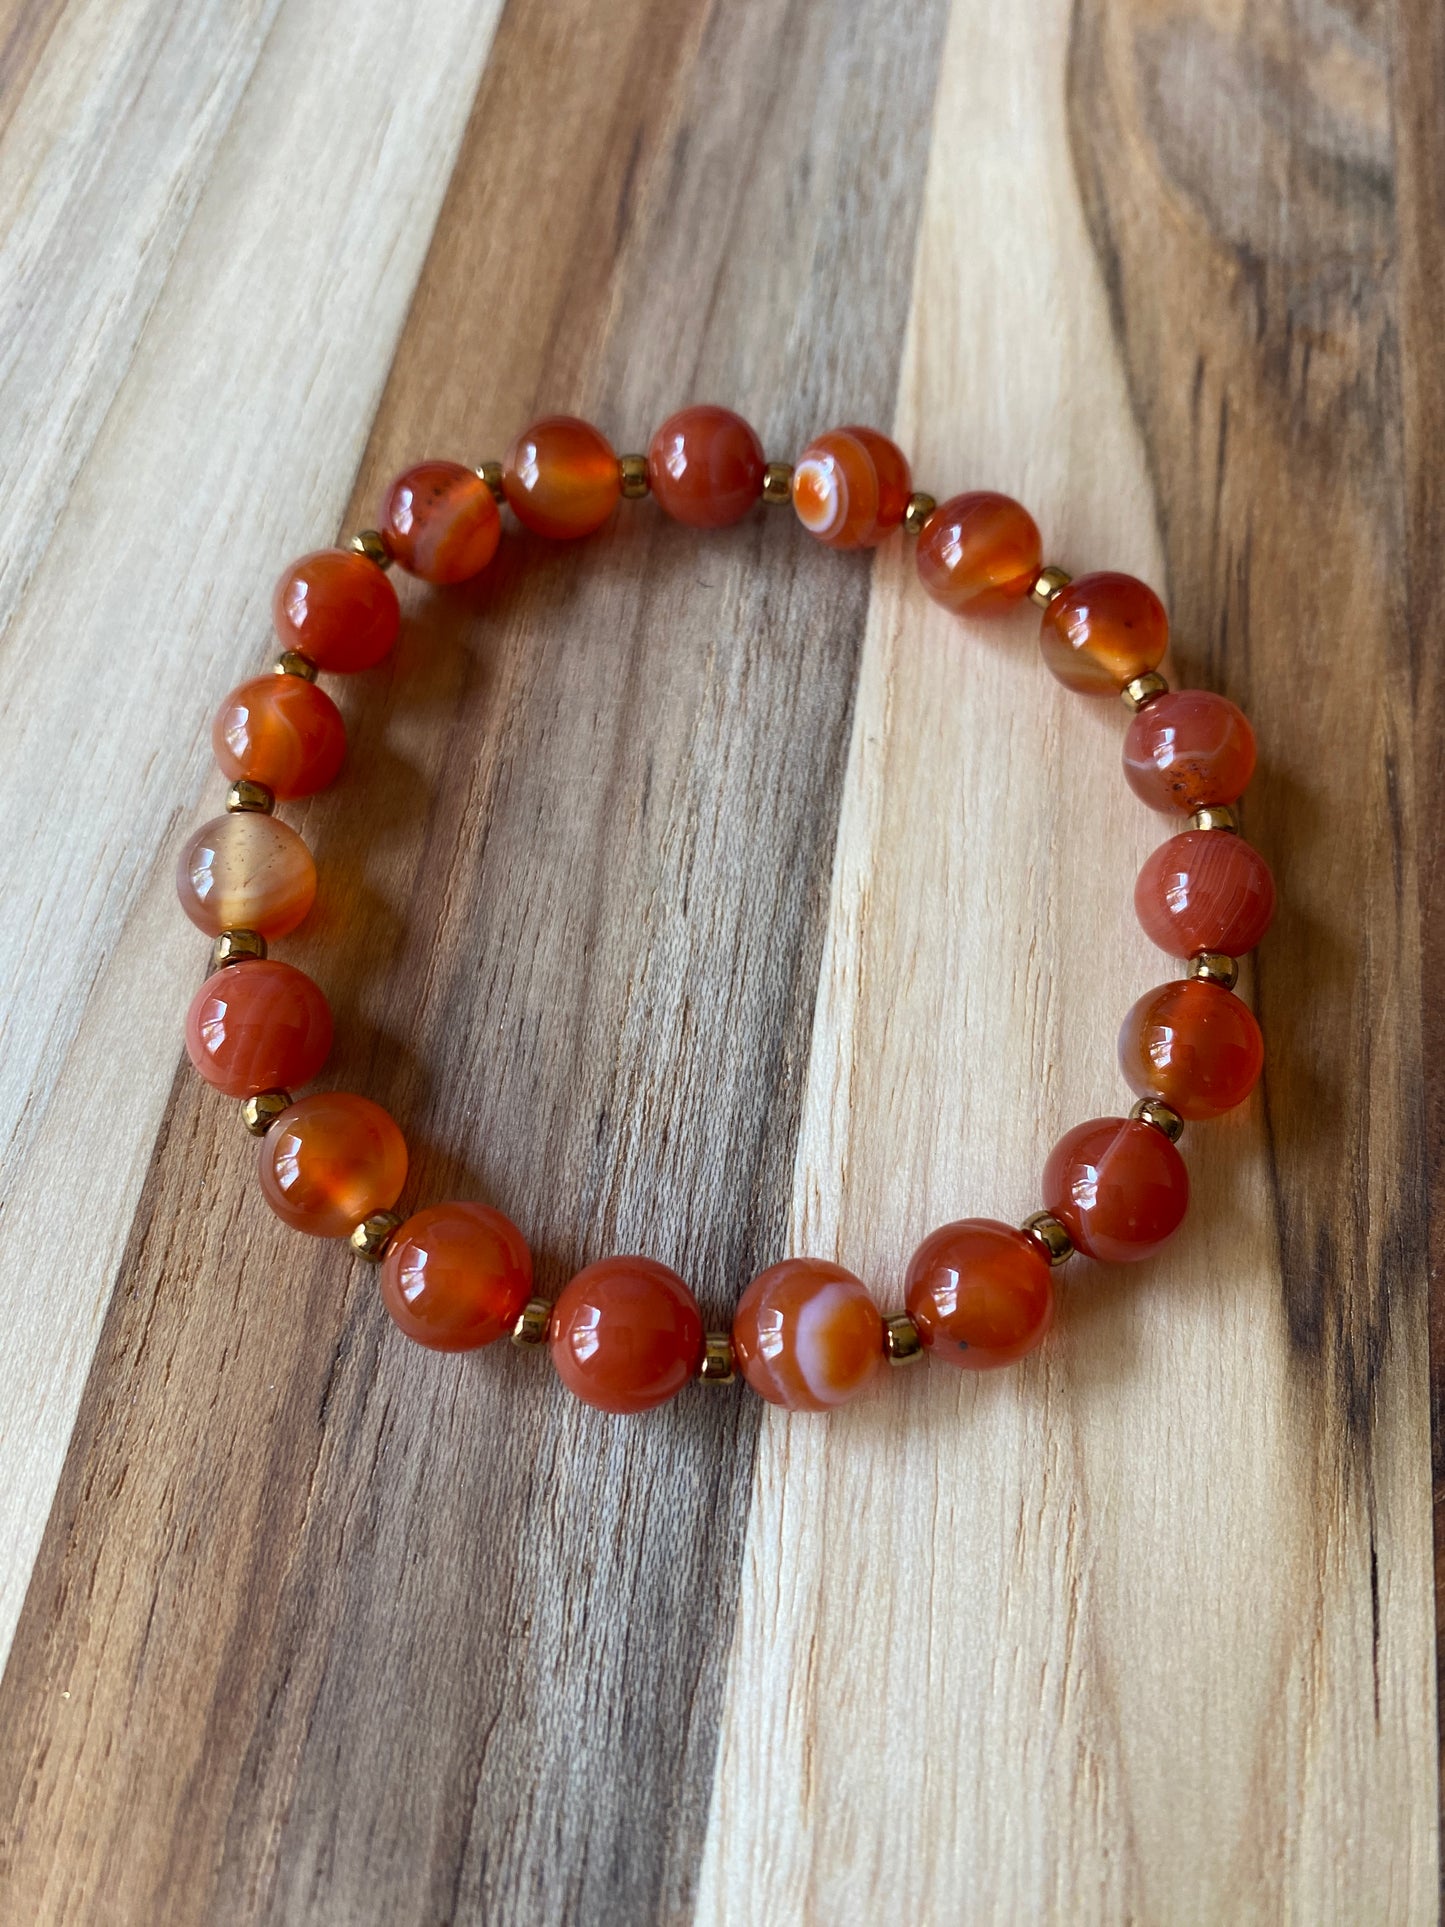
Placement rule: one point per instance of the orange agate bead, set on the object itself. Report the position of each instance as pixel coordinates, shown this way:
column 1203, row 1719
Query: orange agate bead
column 1205, row 890
column 281, row 731
column 440, row 522
column 1102, row 631
column 807, row 1335
column 330, row 1160
column 246, row 871
column 706, row 467
column 979, row 554
column 561, row 478
column 1194, row 1044
column 258, row 1026
column 626, row 1334
column 1187, row 749
column 850, row 487
column 1118, row 1187
column 456, row 1276
column 338, row 608
column 981, row 1293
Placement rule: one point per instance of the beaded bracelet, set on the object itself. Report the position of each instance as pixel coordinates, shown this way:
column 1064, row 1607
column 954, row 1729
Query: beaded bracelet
column 626, row 1333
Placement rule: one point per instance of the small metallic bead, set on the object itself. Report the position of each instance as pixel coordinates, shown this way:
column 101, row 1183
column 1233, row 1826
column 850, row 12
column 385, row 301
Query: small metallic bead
column 717, row 1359
column 1050, row 1236
column 237, row 946
column 373, row 1235
column 635, row 480
column 372, row 544
column 534, row 1321
column 901, row 1341
column 1153, row 1110
column 1143, row 689
column 778, row 482
column 291, row 662
column 246, row 796
column 491, row 474
column 1215, row 968
column 1215, row 816
column 920, row 507
column 259, row 1113
column 1047, row 584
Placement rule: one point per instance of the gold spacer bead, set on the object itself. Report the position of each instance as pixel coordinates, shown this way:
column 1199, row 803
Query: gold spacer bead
column 716, row 1367
column 248, row 798
column 1050, row 1236
column 1047, row 584
column 778, row 483
column 291, row 662
column 1213, row 967
column 372, row 544
column 491, row 474
column 372, row 1236
column 1215, row 816
column 920, row 507
column 534, row 1321
column 636, row 482
column 902, row 1341
column 1153, row 1110
column 1143, row 689
column 237, row 946
column 260, row 1112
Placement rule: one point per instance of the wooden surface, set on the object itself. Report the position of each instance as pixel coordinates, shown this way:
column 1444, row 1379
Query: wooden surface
column 719, row 896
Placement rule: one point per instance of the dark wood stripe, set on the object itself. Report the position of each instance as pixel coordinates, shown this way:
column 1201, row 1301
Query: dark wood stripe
column 325, row 1627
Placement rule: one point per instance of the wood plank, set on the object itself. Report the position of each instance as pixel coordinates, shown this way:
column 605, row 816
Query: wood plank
column 352, row 1632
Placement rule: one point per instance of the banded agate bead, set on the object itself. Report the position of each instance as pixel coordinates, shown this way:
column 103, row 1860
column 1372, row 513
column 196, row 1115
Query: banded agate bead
column 1205, row 890
column 807, row 1335
column 1119, row 1188
column 626, row 1335
column 1187, row 749
column 329, row 1161
column 561, row 478
column 440, row 522
column 456, row 1276
column 1194, row 1044
column 258, row 1026
column 981, row 1293
column 1102, row 631
column 706, row 467
column 281, row 731
column 978, row 554
column 338, row 608
column 850, row 487
column 246, row 871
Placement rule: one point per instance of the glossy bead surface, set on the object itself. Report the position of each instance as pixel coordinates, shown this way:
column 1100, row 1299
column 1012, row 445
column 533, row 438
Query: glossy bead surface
column 329, row 1161
column 440, row 521
column 807, row 1335
column 1194, row 1044
column 706, row 467
column 626, row 1334
column 1102, row 631
column 456, row 1276
column 851, row 487
column 245, row 871
column 338, row 609
column 1205, row 890
column 1188, row 749
column 561, row 478
column 1119, row 1188
column 981, row 1293
column 280, row 731
column 258, row 1026
column 978, row 554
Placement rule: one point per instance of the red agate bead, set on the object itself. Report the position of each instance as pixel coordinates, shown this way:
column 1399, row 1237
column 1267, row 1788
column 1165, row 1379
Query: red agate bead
column 626, row 1334
column 1103, row 630
column 440, row 522
column 246, row 871
column 281, row 731
column 979, row 554
column 1187, row 749
column 1194, row 1044
column 330, row 1160
column 338, row 608
column 850, row 487
column 981, row 1293
column 1118, row 1187
column 1205, row 890
column 456, row 1276
column 807, row 1335
column 258, row 1026
column 706, row 467
column 561, row 477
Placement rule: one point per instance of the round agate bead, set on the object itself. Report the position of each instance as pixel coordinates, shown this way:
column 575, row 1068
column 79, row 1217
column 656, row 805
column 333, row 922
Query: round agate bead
column 705, row 467
column 1188, row 749
column 1101, row 631
column 1119, row 1188
column 626, row 1334
column 1205, row 890
column 1194, row 1044
column 456, row 1276
column 331, row 1160
column 258, row 1026
column 440, row 522
column 246, row 871
column 978, row 554
column 807, row 1335
column 338, row 608
column 850, row 487
column 981, row 1293
column 281, row 731
column 561, row 478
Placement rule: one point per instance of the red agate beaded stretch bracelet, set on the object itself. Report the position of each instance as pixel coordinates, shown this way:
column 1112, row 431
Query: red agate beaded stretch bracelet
column 626, row 1333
